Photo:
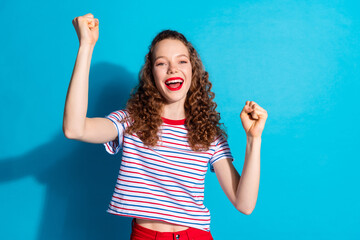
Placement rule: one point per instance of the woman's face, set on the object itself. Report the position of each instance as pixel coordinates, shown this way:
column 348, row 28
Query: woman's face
column 172, row 70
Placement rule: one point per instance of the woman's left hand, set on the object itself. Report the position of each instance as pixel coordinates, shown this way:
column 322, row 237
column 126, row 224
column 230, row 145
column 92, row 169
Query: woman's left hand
column 253, row 118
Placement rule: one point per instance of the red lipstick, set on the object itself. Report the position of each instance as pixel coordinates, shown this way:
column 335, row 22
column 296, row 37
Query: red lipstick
column 179, row 83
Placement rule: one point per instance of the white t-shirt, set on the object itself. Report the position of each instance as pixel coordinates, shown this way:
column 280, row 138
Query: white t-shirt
column 164, row 183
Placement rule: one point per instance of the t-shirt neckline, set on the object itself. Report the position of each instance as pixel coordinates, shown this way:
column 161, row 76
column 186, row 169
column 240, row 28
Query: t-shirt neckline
column 173, row 122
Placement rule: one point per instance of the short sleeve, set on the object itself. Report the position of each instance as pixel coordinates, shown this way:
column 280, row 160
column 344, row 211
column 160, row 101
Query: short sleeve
column 222, row 151
column 113, row 147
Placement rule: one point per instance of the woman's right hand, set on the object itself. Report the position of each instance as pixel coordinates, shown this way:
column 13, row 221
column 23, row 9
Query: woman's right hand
column 87, row 29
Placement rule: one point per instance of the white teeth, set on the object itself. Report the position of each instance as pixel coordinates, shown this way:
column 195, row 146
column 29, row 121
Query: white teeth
column 174, row 81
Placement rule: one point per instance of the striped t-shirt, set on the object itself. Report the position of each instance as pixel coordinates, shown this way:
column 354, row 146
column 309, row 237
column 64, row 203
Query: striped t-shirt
column 164, row 183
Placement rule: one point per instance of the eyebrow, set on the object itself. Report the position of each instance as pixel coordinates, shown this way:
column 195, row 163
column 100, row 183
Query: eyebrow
column 180, row 55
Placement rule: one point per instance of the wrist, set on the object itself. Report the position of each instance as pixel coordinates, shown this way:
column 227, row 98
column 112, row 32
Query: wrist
column 85, row 50
column 253, row 139
column 86, row 46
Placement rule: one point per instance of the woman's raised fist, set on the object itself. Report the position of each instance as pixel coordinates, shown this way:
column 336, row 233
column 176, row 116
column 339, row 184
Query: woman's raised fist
column 87, row 29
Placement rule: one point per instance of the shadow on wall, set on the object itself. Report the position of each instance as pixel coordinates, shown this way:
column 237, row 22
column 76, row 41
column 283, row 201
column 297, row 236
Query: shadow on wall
column 79, row 177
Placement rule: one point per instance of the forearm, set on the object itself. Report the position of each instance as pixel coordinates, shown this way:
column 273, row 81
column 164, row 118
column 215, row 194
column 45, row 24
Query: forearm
column 77, row 96
column 248, row 187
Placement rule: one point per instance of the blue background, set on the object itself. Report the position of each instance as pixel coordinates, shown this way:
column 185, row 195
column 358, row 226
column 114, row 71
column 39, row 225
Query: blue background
column 299, row 60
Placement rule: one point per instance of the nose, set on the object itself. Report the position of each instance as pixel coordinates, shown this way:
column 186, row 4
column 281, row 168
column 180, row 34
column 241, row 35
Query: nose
column 172, row 68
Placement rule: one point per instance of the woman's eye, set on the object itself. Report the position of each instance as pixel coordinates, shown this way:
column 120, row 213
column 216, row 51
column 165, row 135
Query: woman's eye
column 183, row 61
column 159, row 64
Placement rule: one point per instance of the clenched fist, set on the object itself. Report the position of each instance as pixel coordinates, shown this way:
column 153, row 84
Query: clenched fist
column 253, row 118
column 87, row 29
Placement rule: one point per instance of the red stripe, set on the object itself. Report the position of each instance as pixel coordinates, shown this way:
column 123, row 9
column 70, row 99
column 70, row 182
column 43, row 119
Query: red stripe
column 108, row 147
column 141, row 156
column 185, row 151
column 183, row 158
column 163, row 154
column 137, row 173
column 135, row 216
column 217, row 138
column 114, row 118
column 221, row 150
column 162, row 146
column 170, row 173
column 180, row 145
column 158, row 213
column 170, row 190
column 167, row 125
column 119, row 115
column 175, row 143
column 158, row 195
column 174, row 135
column 222, row 142
column 180, row 150
column 154, row 203
column 173, row 122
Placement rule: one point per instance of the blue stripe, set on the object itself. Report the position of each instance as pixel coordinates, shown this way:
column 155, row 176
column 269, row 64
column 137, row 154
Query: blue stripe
column 180, row 153
column 172, row 177
column 164, row 158
column 152, row 217
column 120, row 117
column 176, row 148
column 110, row 151
column 175, row 169
column 170, row 211
column 175, row 161
column 176, row 203
column 126, row 116
column 176, row 139
column 221, row 156
column 175, row 131
column 112, row 115
column 162, row 184
column 112, row 143
column 162, row 191
column 186, row 154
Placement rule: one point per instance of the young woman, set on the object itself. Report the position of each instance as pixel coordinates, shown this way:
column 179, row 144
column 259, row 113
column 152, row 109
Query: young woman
column 169, row 133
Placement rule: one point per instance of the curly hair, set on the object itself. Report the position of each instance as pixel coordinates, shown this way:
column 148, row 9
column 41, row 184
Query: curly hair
column 145, row 102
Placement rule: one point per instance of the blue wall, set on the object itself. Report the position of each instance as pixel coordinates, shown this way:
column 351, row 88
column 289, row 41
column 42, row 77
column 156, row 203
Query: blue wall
column 297, row 59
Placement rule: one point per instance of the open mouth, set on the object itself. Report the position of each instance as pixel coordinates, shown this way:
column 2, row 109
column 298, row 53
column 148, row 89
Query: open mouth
column 174, row 84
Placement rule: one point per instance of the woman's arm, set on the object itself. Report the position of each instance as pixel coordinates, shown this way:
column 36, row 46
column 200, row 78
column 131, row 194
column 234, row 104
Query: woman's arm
column 77, row 96
column 242, row 190
column 248, row 186
column 75, row 123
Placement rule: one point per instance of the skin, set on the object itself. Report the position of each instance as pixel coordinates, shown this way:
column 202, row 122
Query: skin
column 242, row 191
column 172, row 60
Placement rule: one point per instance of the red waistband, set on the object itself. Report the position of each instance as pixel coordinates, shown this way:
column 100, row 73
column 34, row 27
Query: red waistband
column 178, row 235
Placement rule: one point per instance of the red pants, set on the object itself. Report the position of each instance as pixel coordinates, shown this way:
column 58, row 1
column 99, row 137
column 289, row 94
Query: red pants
column 141, row 233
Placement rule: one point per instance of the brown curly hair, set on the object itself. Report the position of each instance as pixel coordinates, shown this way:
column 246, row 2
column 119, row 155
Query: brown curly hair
column 145, row 102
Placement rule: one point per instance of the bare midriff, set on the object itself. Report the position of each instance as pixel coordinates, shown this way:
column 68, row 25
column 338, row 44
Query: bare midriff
column 160, row 226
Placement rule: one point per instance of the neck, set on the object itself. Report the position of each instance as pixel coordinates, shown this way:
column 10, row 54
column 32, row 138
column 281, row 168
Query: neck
column 174, row 111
